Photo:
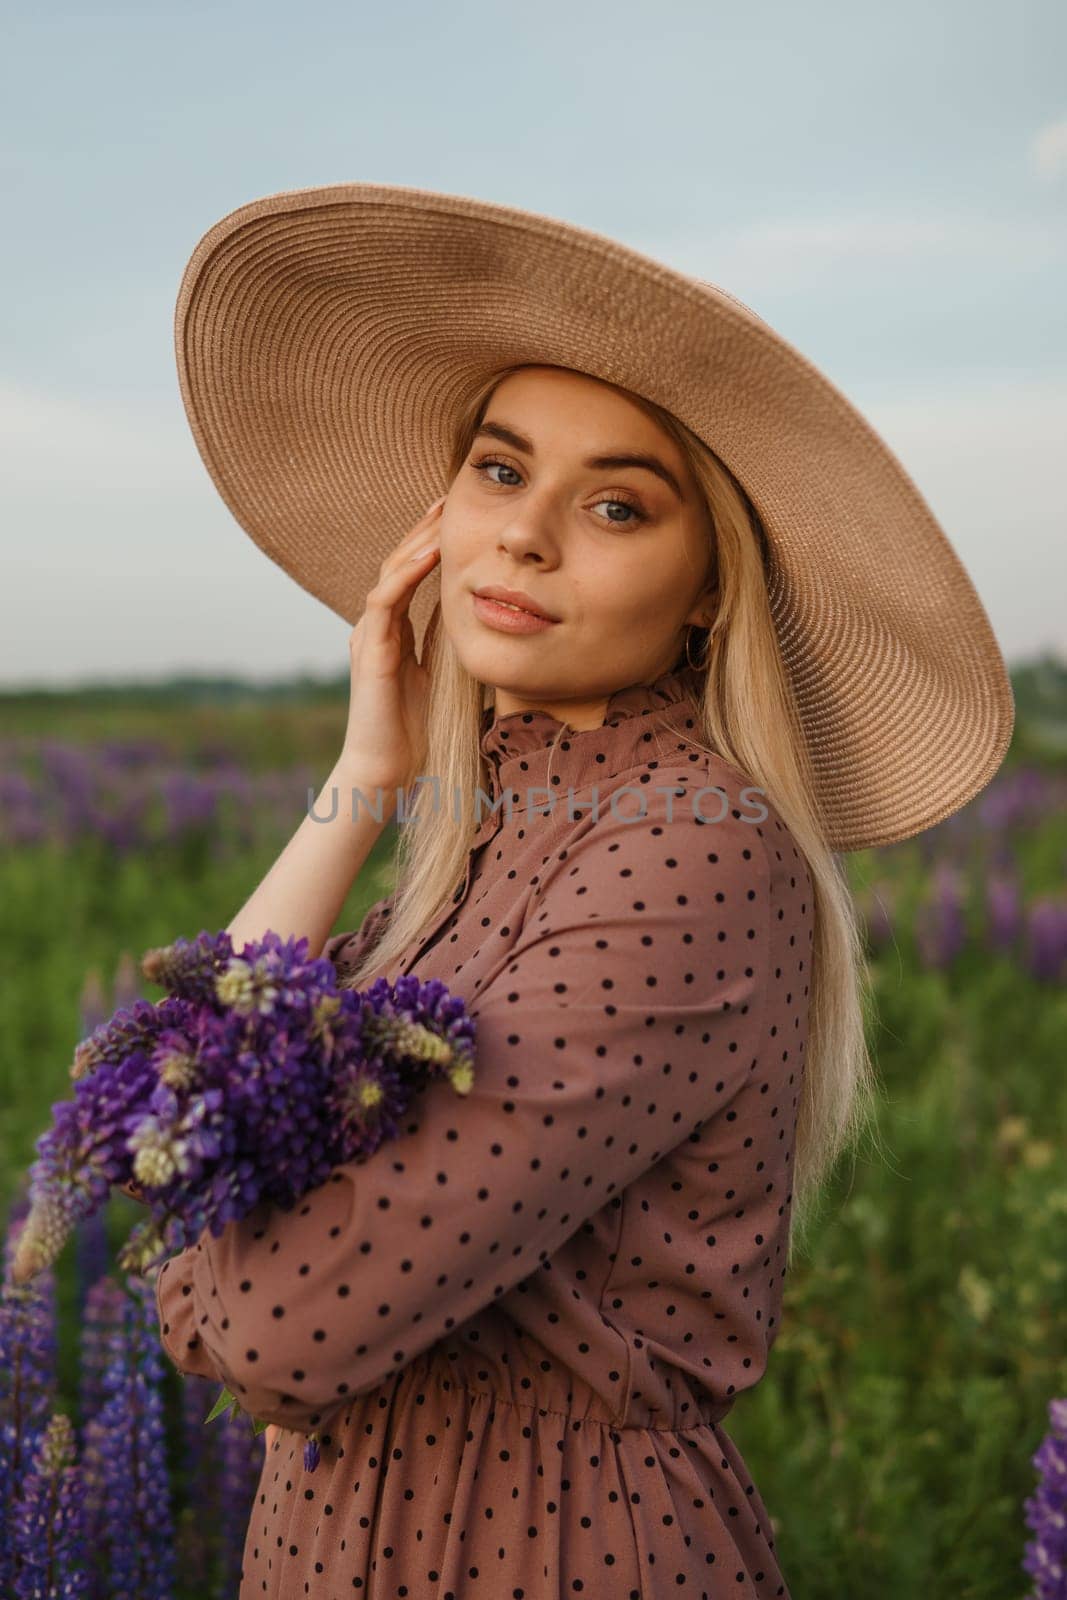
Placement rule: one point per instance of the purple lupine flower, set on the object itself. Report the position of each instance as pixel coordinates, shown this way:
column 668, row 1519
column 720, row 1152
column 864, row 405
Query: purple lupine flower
column 103, row 1343
column 22, row 820
column 1004, row 915
column 49, row 1528
column 92, row 1256
column 191, row 801
column 240, row 1462
column 137, row 1532
column 1045, row 1511
column 79, row 1158
column 9, row 1489
column 940, row 927
column 136, row 792
column 201, row 1465
column 103, row 1317
column 66, row 770
column 1018, row 798
column 131, row 1028
column 251, row 1081
column 132, row 755
column 28, row 1352
column 92, row 1259
column 1001, row 855
column 1046, row 930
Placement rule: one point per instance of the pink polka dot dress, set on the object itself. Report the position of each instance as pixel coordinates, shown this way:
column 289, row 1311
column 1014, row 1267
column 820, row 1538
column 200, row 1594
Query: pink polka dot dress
column 519, row 1326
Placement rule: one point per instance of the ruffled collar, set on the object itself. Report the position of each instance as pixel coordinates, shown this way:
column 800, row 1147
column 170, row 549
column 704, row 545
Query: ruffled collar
column 522, row 751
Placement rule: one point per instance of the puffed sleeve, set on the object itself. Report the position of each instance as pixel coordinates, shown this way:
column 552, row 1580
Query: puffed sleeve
column 346, row 949
column 628, row 1013
column 176, row 1310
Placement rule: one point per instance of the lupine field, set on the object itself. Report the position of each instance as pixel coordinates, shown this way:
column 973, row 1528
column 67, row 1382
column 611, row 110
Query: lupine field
column 910, row 1436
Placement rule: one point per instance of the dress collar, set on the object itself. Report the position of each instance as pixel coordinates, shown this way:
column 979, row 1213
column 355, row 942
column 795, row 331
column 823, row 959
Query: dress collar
column 521, row 750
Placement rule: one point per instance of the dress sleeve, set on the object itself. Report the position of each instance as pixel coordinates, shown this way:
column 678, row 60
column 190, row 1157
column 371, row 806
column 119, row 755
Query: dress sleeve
column 628, row 1013
column 346, row 949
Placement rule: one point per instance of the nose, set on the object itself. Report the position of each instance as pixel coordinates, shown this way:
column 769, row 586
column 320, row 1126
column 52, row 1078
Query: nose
column 528, row 535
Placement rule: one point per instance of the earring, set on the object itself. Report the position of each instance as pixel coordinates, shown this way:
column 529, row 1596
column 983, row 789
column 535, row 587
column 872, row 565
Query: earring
column 692, row 664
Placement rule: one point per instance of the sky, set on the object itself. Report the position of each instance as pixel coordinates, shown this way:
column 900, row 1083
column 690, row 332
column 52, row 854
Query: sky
column 885, row 185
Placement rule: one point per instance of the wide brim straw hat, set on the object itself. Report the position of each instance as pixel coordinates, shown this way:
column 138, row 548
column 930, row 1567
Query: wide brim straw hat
column 327, row 338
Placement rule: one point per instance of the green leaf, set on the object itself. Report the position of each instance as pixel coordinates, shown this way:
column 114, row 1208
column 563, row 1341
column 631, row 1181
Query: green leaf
column 228, row 1399
column 224, row 1401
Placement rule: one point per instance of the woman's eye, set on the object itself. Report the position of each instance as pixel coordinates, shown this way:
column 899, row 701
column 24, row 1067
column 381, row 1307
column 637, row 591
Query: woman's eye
column 638, row 515
column 482, row 466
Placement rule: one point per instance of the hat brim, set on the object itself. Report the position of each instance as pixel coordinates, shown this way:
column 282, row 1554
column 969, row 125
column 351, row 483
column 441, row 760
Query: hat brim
column 327, row 338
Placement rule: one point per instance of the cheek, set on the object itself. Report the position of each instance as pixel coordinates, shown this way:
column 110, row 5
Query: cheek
column 460, row 537
column 640, row 597
column 461, row 562
column 625, row 583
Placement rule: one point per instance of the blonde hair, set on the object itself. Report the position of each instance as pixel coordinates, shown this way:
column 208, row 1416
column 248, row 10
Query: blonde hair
column 748, row 716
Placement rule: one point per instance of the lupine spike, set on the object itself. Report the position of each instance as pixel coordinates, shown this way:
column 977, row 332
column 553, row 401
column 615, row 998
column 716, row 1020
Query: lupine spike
column 246, row 988
column 42, row 1237
column 188, row 968
column 49, row 1523
column 204, row 1513
column 146, row 1244
column 240, row 1463
column 132, row 1028
column 1045, row 1511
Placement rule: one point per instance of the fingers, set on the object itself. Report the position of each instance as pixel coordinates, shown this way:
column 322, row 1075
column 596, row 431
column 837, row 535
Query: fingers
column 405, row 567
column 423, row 532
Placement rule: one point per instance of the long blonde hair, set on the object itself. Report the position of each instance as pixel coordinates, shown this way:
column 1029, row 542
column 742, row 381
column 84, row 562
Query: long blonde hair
column 748, row 716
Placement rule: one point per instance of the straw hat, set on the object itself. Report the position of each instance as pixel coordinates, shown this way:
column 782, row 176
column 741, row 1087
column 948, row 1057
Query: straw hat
column 327, row 337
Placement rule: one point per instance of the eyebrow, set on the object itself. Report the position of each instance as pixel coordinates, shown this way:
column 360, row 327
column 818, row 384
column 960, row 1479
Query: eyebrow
column 518, row 441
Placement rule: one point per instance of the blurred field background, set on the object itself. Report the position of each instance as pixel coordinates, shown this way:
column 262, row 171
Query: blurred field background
column 923, row 1335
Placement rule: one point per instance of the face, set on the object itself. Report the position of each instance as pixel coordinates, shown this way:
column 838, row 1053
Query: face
column 616, row 554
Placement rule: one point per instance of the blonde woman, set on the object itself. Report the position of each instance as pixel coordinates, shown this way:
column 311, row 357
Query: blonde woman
column 635, row 699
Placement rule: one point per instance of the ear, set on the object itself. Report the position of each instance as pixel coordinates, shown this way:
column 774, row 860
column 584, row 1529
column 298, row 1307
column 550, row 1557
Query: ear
column 705, row 607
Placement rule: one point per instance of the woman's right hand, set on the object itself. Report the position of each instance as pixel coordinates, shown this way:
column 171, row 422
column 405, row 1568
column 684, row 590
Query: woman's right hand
column 386, row 732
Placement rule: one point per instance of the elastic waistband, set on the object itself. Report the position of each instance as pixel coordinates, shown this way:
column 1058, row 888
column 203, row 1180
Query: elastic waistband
column 432, row 1368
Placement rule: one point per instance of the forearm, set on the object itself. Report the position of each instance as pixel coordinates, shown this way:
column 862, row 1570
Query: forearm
column 304, row 890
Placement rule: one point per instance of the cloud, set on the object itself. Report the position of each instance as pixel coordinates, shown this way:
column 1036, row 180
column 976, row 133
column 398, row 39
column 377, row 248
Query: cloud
column 986, row 457
column 53, row 445
column 785, row 253
column 1048, row 150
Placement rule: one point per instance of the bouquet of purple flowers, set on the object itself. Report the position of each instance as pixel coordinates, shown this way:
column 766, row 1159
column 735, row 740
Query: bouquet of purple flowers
column 249, row 1082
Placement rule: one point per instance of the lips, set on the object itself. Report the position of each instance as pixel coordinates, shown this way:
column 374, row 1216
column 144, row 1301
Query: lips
column 517, row 599
column 527, row 611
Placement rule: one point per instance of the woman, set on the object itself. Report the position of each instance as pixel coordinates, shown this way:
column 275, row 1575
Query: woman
column 518, row 1330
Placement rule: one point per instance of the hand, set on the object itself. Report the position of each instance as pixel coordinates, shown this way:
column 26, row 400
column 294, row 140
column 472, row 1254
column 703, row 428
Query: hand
column 270, row 1433
column 386, row 734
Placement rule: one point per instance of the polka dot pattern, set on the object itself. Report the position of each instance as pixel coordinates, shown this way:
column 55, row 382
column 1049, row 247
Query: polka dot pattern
column 519, row 1327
